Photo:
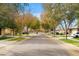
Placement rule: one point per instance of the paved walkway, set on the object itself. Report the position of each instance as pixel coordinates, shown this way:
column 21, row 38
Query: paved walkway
column 39, row 45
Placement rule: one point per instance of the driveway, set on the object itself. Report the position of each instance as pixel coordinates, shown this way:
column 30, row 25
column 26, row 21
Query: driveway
column 39, row 45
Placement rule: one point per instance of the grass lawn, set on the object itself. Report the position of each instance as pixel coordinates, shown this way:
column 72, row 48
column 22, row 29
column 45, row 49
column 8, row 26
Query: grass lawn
column 12, row 38
column 76, row 38
column 17, row 39
column 5, row 37
column 71, row 42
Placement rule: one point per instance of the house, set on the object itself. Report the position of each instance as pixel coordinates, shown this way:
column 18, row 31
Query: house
column 71, row 30
column 7, row 31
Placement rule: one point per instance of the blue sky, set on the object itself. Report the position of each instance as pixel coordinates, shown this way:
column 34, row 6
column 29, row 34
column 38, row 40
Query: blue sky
column 36, row 9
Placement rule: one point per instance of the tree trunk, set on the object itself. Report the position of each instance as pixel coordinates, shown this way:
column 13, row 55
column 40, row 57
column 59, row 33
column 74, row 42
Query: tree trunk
column 13, row 32
column 66, row 33
column 54, row 32
column 16, row 32
column 27, row 31
column 62, row 26
column 0, row 31
column 65, row 29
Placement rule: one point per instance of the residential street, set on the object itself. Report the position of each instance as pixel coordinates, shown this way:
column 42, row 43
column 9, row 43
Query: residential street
column 39, row 45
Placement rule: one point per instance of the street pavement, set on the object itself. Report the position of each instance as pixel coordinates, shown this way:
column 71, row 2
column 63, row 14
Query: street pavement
column 39, row 45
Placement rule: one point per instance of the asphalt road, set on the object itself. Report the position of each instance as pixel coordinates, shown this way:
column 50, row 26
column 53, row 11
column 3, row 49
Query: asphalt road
column 39, row 45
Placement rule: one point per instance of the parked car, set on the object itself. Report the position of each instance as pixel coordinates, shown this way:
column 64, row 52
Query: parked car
column 75, row 35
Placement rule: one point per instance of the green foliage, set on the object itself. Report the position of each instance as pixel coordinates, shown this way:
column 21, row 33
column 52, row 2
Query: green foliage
column 7, row 12
column 14, row 16
column 35, row 24
column 59, row 11
column 46, row 26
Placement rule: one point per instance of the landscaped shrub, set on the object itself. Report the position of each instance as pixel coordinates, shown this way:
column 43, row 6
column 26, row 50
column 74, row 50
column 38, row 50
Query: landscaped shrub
column 57, row 33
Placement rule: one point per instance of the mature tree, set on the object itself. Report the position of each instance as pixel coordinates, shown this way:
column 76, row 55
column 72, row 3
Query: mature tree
column 27, row 21
column 7, row 12
column 53, row 15
column 35, row 25
column 45, row 22
column 62, row 12
column 20, row 16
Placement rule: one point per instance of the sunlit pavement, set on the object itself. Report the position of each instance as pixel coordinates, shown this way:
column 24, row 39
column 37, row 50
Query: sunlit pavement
column 39, row 45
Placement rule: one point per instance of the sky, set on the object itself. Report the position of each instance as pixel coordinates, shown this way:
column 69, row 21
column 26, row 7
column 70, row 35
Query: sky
column 36, row 9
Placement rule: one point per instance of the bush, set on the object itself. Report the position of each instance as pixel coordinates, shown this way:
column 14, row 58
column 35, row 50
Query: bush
column 61, row 33
column 57, row 33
